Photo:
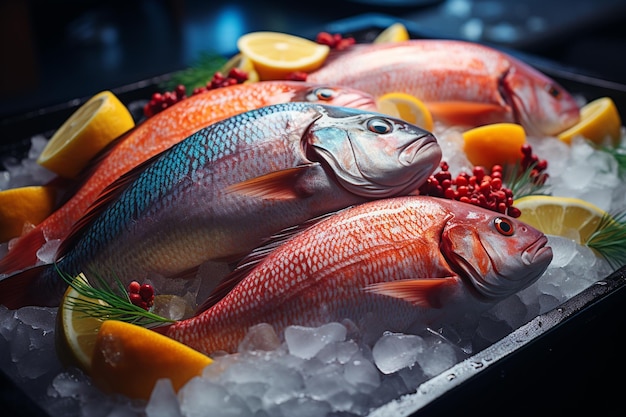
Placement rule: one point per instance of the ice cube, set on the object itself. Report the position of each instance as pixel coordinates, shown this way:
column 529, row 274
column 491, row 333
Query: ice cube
column 200, row 397
column 260, row 337
column 163, row 400
column 393, row 351
column 362, row 374
column 306, row 342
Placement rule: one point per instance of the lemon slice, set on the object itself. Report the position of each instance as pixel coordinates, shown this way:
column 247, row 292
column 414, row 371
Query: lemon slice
column 498, row 143
column 89, row 129
column 406, row 107
column 395, row 32
column 76, row 331
column 599, row 121
column 561, row 216
column 275, row 55
column 24, row 206
column 130, row 359
column 243, row 63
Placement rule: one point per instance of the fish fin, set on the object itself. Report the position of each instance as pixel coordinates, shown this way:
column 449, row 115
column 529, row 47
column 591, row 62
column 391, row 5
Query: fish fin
column 464, row 113
column 23, row 253
column 24, row 288
column 421, row 292
column 256, row 256
column 279, row 185
column 108, row 195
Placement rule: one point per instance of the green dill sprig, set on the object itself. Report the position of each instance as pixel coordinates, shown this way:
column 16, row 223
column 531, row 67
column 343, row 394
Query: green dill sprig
column 619, row 153
column 522, row 183
column 102, row 301
column 196, row 75
column 609, row 239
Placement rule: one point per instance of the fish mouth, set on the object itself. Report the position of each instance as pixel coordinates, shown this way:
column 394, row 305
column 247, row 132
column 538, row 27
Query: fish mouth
column 537, row 252
column 424, row 145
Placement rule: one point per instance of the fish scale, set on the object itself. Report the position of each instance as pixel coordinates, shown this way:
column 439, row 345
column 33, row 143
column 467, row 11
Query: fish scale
column 386, row 265
column 219, row 193
column 157, row 134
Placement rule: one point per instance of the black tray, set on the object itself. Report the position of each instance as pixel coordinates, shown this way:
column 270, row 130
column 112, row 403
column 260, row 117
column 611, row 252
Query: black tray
column 561, row 362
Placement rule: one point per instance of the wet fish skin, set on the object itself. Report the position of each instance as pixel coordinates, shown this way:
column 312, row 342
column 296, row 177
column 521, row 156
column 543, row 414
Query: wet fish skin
column 161, row 131
column 461, row 82
column 387, row 264
column 219, row 193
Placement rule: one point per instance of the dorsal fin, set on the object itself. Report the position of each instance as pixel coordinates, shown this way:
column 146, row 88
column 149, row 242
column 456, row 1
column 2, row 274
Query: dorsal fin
column 108, row 195
column 254, row 258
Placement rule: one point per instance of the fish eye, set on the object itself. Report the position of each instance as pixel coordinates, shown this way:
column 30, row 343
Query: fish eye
column 322, row 94
column 553, row 90
column 504, row 226
column 379, row 125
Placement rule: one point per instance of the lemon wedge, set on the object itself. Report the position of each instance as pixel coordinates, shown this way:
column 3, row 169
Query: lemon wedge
column 395, row 32
column 87, row 131
column 243, row 63
column 406, row 107
column 498, row 143
column 76, row 332
column 129, row 359
column 561, row 216
column 23, row 207
column 275, row 55
column 599, row 122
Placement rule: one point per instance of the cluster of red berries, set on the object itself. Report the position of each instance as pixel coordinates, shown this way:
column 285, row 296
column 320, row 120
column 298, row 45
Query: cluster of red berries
column 481, row 188
column 334, row 41
column 537, row 167
column 161, row 101
column 141, row 295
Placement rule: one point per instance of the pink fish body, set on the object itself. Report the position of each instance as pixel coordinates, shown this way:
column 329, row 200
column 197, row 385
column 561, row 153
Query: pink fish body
column 386, row 265
column 160, row 132
column 461, row 82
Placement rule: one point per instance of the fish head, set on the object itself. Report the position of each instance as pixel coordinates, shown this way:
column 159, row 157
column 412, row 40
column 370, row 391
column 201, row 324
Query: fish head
column 496, row 255
column 370, row 154
column 539, row 103
column 335, row 96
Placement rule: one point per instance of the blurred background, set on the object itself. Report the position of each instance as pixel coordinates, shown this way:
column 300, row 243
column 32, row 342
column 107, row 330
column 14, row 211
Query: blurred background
column 54, row 51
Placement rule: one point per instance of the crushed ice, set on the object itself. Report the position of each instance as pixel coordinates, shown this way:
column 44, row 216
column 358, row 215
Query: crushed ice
column 314, row 371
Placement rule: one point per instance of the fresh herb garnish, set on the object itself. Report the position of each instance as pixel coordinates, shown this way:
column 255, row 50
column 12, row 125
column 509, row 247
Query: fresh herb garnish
column 609, row 239
column 198, row 74
column 103, row 301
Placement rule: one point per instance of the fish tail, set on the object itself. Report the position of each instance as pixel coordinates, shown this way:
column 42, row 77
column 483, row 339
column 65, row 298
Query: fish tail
column 24, row 253
column 37, row 286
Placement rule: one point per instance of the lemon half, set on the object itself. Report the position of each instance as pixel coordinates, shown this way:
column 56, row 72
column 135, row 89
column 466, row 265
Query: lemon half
column 395, row 32
column 561, row 216
column 406, row 107
column 76, row 332
column 24, row 206
column 599, row 122
column 129, row 359
column 87, row 131
column 275, row 54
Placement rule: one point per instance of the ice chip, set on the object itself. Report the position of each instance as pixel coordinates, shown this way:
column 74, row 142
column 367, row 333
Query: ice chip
column 260, row 337
column 362, row 374
column 163, row 400
column 393, row 352
column 324, row 386
column 563, row 251
column 339, row 352
column 306, row 342
column 47, row 252
column 200, row 397
column 304, row 407
column 437, row 358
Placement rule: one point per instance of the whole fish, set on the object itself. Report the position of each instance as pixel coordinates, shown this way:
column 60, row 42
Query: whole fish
column 388, row 264
column 159, row 133
column 217, row 194
column 461, row 82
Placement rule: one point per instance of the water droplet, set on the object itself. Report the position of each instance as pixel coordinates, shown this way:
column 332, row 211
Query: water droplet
column 601, row 283
column 476, row 365
column 451, row 377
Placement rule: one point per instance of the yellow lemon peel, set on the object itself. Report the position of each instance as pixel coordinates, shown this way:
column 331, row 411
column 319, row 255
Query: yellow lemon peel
column 275, row 54
column 406, row 107
column 599, row 122
column 494, row 144
column 24, row 207
column 87, row 131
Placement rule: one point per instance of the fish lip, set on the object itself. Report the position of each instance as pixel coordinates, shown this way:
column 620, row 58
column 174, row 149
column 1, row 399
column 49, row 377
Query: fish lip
column 417, row 147
column 537, row 251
